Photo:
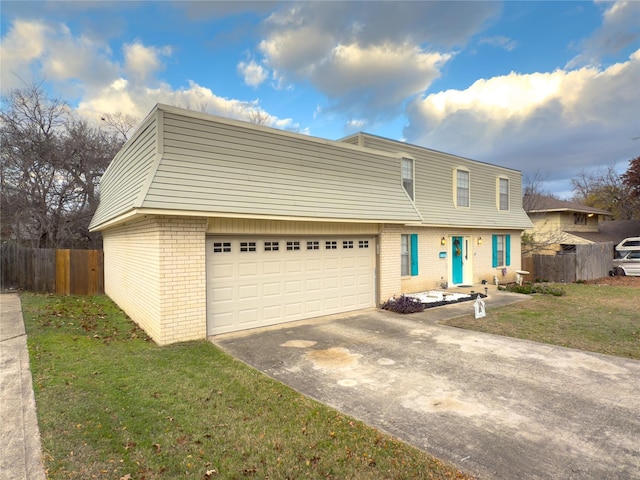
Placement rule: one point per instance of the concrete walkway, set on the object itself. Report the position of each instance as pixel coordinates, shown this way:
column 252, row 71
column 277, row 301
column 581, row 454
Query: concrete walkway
column 496, row 407
column 20, row 451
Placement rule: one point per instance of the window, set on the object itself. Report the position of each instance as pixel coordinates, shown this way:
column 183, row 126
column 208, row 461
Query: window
column 503, row 193
column 501, row 250
column 331, row 245
column 347, row 244
column 579, row 218
column 409, row 255
column 271, row 246
column 293, row 246
column 222, row 247
column 313, row 245
column 363, row 244
column 462, row 188
column 247, row 246
column 407, row 176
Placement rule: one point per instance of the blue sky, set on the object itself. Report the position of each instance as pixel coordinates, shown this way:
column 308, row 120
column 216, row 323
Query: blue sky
column 548, row 88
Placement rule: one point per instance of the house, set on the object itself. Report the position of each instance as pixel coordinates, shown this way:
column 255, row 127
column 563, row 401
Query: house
column 212, row 225
column 559, row 225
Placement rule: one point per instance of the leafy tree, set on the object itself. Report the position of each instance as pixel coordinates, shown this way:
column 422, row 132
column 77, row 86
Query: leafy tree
column 606, row 190
column 50, row 165
column 631, row 180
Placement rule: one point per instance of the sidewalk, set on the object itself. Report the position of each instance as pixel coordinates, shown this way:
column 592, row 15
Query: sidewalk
column 20, row 451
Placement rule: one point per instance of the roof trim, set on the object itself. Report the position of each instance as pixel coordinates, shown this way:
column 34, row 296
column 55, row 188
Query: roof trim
column 140, row 212
column 361, row 135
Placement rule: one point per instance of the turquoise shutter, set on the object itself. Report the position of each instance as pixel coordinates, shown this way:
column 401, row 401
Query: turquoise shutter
column 414, row 254
column 494, row 251
column 507, row 249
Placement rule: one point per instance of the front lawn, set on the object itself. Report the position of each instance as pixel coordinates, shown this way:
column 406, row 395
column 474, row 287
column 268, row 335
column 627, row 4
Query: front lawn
column 595, row 317
column 113, row 405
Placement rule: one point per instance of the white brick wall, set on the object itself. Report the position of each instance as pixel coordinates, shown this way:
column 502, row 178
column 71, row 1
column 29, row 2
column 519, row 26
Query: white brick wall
column 155, row 271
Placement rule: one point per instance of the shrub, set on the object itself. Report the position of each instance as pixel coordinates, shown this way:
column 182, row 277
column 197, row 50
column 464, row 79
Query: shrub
column 529, row 288
column 403, row 304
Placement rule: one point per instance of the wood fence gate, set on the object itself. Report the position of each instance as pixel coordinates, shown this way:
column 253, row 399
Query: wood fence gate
column 49, row 270
column 588, row 262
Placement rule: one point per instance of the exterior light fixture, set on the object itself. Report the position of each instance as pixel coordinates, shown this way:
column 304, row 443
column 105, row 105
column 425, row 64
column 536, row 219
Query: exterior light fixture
column 443, row 241
column 479, row 240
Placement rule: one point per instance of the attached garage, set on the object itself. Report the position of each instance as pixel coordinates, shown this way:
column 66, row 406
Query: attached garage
column 211, row 225
column 257, row 281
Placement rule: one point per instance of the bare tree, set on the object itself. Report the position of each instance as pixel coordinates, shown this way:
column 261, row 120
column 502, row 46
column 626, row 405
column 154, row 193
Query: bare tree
column 258, row 116
column 121, row 123
column 50, row 163
column 543, row 238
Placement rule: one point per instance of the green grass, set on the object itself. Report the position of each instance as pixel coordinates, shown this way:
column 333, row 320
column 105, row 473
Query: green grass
column 596, row 318
column 113, row 405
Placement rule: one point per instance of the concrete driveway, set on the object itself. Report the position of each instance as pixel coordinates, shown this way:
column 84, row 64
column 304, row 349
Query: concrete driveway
column 495, row 407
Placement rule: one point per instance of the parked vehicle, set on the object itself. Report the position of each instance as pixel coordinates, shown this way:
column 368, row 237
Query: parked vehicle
column 631, row 243
column 627, row 264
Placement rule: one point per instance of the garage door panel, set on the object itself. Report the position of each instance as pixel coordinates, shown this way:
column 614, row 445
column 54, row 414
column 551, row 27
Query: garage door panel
column 313, row 285
column 247, row 269
column 272, row 314
column 272, row 267
column 248, row 293
column 248, row 316
column 276, row 280
column 331, row 263
column 271, row 289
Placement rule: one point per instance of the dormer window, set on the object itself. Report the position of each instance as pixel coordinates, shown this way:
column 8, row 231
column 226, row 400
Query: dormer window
column 407, row 176
column 462, row 188
column 503, row 194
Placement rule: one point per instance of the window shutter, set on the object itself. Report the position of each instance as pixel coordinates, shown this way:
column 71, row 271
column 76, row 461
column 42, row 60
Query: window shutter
column 414, row 254
column 494, row 251
column 507, row 250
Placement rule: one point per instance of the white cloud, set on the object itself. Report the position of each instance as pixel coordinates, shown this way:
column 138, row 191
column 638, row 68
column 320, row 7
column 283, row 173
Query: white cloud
column 253, row 73
column 83, row 69
column 620, row 29
column 368, row 67
column 137, row 101
column 33, row 50
column 24, row 42
column 557, row 122
column 499, row 41
column 143, row 62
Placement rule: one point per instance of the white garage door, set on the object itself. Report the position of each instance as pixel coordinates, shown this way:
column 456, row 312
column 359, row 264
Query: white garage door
column 254, row 282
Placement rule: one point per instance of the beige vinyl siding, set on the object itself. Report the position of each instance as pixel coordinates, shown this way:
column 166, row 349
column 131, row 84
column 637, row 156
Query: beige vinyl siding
column 435, row 193
column 232, row 168
column 124, row 180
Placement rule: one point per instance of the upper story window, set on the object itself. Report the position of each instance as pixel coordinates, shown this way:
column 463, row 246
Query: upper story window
column 503, row 194
column 407, row 176
column 579, row 218
column 462, row 188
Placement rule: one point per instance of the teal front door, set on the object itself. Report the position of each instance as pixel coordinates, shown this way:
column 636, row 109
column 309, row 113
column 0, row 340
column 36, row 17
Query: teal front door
column 457, row 255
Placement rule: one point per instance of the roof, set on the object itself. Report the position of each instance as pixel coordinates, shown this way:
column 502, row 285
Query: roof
column 181, row 162
column 191, row 163
column 546, row 204
column 618, row 230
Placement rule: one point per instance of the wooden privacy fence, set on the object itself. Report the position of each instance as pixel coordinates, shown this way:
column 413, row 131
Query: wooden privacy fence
column 588, row 262
column 49, row 270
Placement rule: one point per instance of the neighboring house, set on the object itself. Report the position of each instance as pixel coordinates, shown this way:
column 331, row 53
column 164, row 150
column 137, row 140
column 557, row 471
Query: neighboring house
column 213, row 225
column 559, row 225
